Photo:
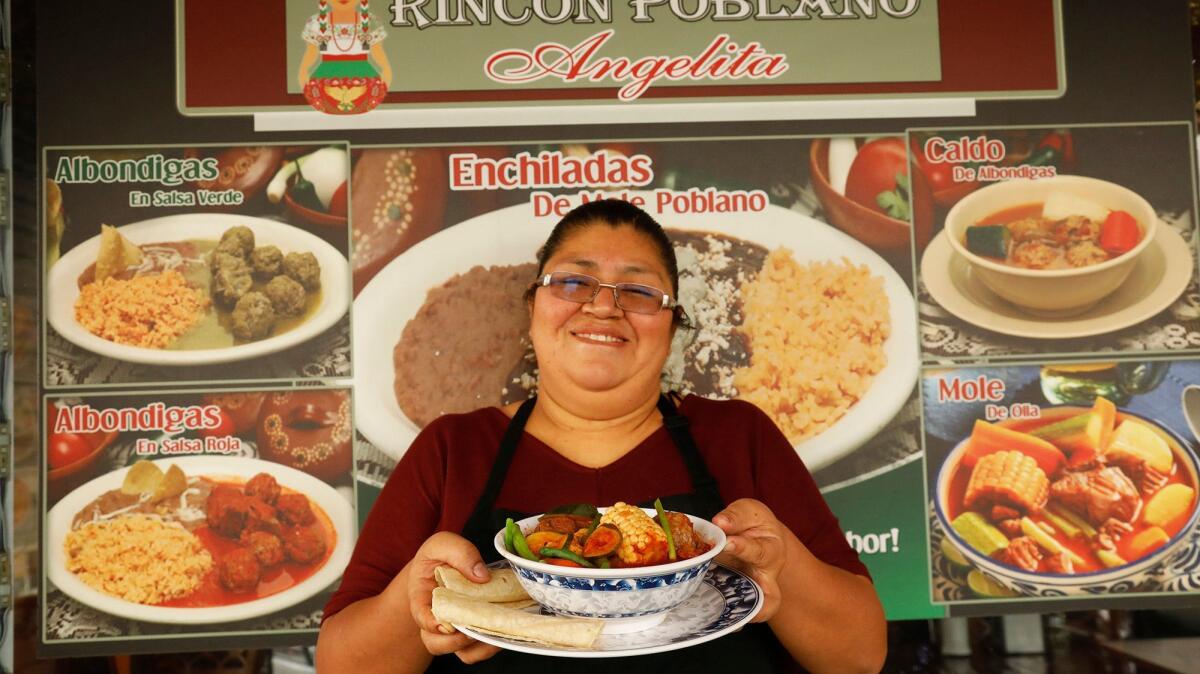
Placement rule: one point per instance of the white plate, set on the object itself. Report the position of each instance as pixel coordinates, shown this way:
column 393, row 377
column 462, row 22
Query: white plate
column 341, row 515
column 1160, row 276
column 726, row 600
column 62, row 286
column 511, row 236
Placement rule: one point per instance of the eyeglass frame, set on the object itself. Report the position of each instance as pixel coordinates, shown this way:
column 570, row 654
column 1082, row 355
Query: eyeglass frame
column 681, row 316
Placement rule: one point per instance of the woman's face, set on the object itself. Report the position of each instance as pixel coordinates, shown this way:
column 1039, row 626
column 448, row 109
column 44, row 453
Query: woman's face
column 598, row 346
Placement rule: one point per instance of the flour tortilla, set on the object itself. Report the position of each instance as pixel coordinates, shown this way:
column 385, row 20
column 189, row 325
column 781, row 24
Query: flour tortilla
column 503, row 586
column 453, row 608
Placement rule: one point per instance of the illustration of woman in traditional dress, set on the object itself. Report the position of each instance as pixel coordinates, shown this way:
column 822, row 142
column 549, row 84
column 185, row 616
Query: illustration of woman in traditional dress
column 345, row 38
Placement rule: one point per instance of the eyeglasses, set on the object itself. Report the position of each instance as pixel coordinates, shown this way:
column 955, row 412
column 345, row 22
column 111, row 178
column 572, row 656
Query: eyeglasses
column 581, row 288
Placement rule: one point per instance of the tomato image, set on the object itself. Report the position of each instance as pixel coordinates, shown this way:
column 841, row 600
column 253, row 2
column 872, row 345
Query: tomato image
column 878, row 177
column 223, row 428
column 64, row 449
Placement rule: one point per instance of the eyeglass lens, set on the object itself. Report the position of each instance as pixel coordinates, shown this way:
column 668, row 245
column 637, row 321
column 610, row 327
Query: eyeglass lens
column 629, row 296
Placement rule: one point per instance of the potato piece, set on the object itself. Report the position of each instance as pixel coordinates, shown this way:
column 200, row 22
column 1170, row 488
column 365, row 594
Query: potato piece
column 1137, row 440
column 1147, row 541
column 1059, row 205
column 1170, row 502
column 143, row 477
column 1109, row 559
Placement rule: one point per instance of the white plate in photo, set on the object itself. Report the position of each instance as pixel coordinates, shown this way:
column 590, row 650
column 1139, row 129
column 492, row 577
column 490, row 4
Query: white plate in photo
column 1160, row 276
column 511, row 236
column 725, row 601
column 341, row 515
column 62, row 288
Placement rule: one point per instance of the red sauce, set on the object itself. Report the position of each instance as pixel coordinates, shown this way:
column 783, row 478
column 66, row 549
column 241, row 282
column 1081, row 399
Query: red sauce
column 275, row 579
column 1080, row 546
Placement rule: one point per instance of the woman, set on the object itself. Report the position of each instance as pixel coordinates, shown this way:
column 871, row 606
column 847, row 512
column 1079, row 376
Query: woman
column 599, row 431
column 345, row 38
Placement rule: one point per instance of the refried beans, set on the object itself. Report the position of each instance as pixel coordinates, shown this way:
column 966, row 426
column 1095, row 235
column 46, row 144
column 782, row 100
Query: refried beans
column 457, row 353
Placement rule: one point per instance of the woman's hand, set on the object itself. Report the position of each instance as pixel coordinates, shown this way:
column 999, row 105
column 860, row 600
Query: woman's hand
column 757, row 545
column 445, row 549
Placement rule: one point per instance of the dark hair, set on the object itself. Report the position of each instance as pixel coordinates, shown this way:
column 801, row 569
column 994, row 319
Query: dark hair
column 614, row 213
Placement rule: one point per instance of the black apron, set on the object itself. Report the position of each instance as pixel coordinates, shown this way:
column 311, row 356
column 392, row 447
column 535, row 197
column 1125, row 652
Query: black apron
column 752, row 649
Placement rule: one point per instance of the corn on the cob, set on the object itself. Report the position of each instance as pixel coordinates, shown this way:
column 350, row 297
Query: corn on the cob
column 1009, row 477
column 643, row 542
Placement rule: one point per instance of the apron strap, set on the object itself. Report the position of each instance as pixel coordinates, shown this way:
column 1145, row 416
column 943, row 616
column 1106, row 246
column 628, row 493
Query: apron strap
column 479, row 519
column 703, row 483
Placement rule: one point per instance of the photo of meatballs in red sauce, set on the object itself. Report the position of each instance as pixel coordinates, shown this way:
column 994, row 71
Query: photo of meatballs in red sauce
column 218, row 540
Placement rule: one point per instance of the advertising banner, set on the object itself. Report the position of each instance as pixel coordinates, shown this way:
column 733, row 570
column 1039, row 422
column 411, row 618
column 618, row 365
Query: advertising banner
column 978, row 329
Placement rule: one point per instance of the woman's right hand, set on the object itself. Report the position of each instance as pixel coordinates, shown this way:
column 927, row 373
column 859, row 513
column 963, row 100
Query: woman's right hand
column 445, row 549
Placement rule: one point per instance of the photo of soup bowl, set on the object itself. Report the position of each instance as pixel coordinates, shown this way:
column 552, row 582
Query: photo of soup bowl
column 1050, row 292
column 1130, row 576
column 627, row 599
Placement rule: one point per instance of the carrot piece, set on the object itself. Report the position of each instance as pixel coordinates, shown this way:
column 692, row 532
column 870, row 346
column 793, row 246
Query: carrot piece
column 988, row 439
column 561, row 562
column 1148, row 540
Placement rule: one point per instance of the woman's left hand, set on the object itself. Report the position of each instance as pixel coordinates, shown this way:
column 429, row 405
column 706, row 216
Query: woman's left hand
column 757, row 545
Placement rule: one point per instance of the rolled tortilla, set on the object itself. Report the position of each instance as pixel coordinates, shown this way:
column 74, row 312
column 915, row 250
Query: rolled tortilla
column 453, row 608
column 502, row 587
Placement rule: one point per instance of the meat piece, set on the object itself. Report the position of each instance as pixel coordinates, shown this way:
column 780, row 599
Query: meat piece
column 563, row 524
column 252, row 316
column 1147, row 478
column 267, row 547
column 227, row 510
column 1099, row 493
column 1035, row 254
column 1059, row 563
column 1022, row 552
column 1011, row 528
column 1076, row 229
column 266, row 262
column 687, row 543
column 286, row 295
column 264, row 487
column 261, row 517
column 1085, row 253
column 1115, row 528
column 239, row 571
column 1029, row 229
column 293, row 509
column 1001, row 513
column 303, row 546
column 304, row 269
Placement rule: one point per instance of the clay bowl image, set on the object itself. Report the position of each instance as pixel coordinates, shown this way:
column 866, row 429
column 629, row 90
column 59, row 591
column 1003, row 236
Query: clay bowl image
column 1057, row 290
column 882, row 233
column 1057, row 550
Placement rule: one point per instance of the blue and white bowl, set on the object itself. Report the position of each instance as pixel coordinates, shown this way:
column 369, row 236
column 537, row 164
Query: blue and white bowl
column 1139, row 575
column 628, row 600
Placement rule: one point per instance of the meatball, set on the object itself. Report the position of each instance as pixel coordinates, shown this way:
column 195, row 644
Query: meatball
column 1029, row 229
column 304, row 269
column 303, row 546
column 237, row 241
column 231, row 281
column 286, row 295
column 262, row 486
column 294, row 509
column 260, row 516
column 1085, row 253
column 240, row 571
column 227, row 510
column 221, row 260
column 267, row 262
column 1034, row 255
column 253, row 316
column 267, row 547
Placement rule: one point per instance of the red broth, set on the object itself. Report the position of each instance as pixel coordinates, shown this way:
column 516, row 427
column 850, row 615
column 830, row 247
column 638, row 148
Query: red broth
column 1080, row 546
column 274, row 579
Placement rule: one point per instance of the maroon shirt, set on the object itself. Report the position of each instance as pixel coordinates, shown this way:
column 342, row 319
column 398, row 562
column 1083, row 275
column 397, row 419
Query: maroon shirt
column 437, row 483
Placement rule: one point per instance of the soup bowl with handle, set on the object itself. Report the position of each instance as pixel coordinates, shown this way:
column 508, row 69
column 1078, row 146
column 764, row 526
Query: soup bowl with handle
column 1134, row 575
column 1050, row 292
column 627, row 599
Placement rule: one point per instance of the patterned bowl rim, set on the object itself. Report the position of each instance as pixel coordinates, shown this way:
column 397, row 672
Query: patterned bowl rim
column 1069, row 579
column 708, row 530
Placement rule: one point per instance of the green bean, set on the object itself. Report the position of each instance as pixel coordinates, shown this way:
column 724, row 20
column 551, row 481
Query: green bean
column 662, row 519
column 568, row 555
column 519, row 542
